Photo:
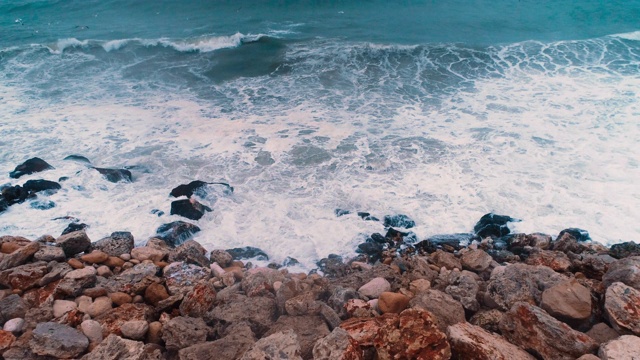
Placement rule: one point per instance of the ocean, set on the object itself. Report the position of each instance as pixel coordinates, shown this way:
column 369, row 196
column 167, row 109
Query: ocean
column 439, row 110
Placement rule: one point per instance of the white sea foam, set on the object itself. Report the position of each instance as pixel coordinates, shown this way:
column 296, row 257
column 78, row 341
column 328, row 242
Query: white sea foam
column 635, row 35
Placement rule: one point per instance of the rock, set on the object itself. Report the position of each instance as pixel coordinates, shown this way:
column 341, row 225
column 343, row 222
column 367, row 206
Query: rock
column 567, row 301
column 74, row 242
column 115, row 175
column 23, row 277
column 390, row 302
column 539, row 333
column 134, row 280
column 488, row 320
column 445, row 309
column 445, row 259
column 222, row 257
column 181, row 277
column 61, row 307
column 476, row 260
column 95, row 257
column 308, row 329
column 176, row 233
column 622, row 348
column 520, row 282
column 230, row 347
column 622, row 308
column 329, row 315
column 281, row 345
column 374, row 288
column 13, row 306
column 372, row 249
column 259, row 312
column 95, row 292
column 333, row 266
column 399, row 220
column 115, row 347
column 14, row 195
column 338, row 345
column 147, row 253
column 6, row 340
column 259, row 282
column 493, row 225
column 567, row 243
column 339, row 298
column 113, row 320
column 602, row 333
column 556, row 260
column 118, row 243
column 189, row 189
column 155, row 293
column 181, row 332
column 15, row 325
column 100, row 306
column 92, row 330
column 30, row 166
column 74, row 282
column 58, row 340
column 626, row 270
column 77, row 158
column 592, row 266
column 198, row 301
column 154, row 334
column 464, row 288
column 469, row 342
column 190, row 252
column 135, row 329
column 35, row 186
column 19, row 256
column 419, row 286
column 73, row 227
column 247, row 252
column 75, row 263
column 104, row 271
column 189, row 208
column 9, row 244
column 49, row 253
column 588, row 357
column 625, row 249
column 119, row 298
column 578, row 234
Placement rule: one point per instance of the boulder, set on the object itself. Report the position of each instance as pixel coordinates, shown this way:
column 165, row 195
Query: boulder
column 74, row 242
column 308, row 329
column 622, row 348
column 14, row 195
column 190, row 252
column 259, row 312
column 198, row 301
column 399, row 220
column 181, row 332
column 625, row 270
column 259, row 281
column 35, row 186
column 445, row 309
column 469, row 342
column 148, row 253
column 374, row 288
column 58, row 340
column 444, row 259
column 23, row 277
column 115, row 347
column 493, row 225
column 115, row 175
column 13, row 306
column 567, row 301
column 19, row 256
column 222, row 257
column 30, row 166
column 556, row 260
column 134, row 280
column 118, row 243
column 333, row 266
column 390, row 302
column 189, row 208
column 49, row 253
column 177, row 232
column 282, row 345
column 180, row 277
column 338, row 345
column 625, row 249
column 532, row 329
column 463, row 287
column 476, row 260
column 567, row 243
column 520, row 282
column 622, row 308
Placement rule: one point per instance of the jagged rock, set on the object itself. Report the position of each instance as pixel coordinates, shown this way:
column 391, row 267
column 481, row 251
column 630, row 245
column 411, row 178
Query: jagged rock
column 399, row 220
column 259, row 312
column 6, row 340
column 566, row 243
column 308, row 329
column 195, row 187
column 230, row 347
column 493, row 225
column 463, row 287
column 247, row 252
column 567, row 301
column 469, row 342
column 198, row 301
column 49, row 253
column 539, row 333
column 592, row 266
column 177, row 232
column 622, row 348
column 115, row 347
column 115, row 175
column 180, row 277
column 134, row 280
column 488, row 320
column 222, row 257
column 339, row 297
column 516, row 242
column 390, row 302
column 445, row 309
column 556, row 260
column 445, row 259
column 116, row 244
column 13, row 306
column 14, row 195
column 35, row 186
column 520, row 282
column 73, row 227
column 189, row 208
column 333, row 266
column 30, row 166
column 622, row 307
column 113, row 320
column 74, row 242
column 338, row 345
column 9, row 244
column 58, row 340
column 282, row 345
column 625, row 270
column 602, row 333
column 181, row 332
column 476, row 260
column 135, row 329
column 259, row 281
column 19, row 256
column 190, row 252
column 23, row 277
column 374, row 288
column 625, row 249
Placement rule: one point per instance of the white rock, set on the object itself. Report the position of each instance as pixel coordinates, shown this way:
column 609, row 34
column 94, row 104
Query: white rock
column 92, row 330
column 14, row 325
column 83, row 303
column 61, row 307
column 217, row 270
column 625, row 347
column 374, row 288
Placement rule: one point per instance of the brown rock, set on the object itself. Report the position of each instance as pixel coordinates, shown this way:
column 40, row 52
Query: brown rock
column 469, row 342
column 191, row 252
column 308, row 329
column 111, row 321
column 567, row 243
column 419, row 286
column 520, row 282
column 75, row 263
column 119, row 298
column 19, row 256
column 222, row 257
column 488, row 320
column 155, row 293
column 623, row 348
column 337, row 346
column 134, row 280
column 625, row 270
column 445, row 309
column 95, row 292
column 389, row 302
column 567, row 301
column 9, row 244
column 95, row 257
column 49, row 253
column 602, row 333
column 476, row 260
column 230, row 347
column 556, row 260
column 259, row 281
column 181, row 332
column 74, row 242
column 114, row 261
column 148, row 253
column 534, row 330
column 622, row 308
column 259, row 312
column 445, row 259
column 6, row 340
column 23, row 277
column 198, row 301
column 154, row 335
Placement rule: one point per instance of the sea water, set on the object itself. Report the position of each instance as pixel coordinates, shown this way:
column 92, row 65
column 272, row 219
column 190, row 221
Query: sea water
column 439, row 110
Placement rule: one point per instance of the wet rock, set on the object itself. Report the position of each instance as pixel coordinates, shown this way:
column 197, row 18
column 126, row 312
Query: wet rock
column 19, row 256
column 625, row 249
column 177, row 232
column 338, row 345
column 602, row 333
column 308, row 330
column 520, row 282
column 115, row 175
column 13, row 306
column 333, row 266
column 247, row 252
column 624, row 347
column 135, row 329
column 73, row 227
column 399, row 220
column 77, row 158
column 493, row 225
column 374, row 288
column 35, row 186
column 74, row 242
column 58, row 340
column 488, row 320
column 189, row 208
column 188, row 189
column 118, row 243
column 390, row 302
column 258, row 312
column 180, row 278
column 567, row 301
column 445, row 309
column 556, row 260
column 198, row 301
column 115, row 347
column 222, row 257
column 282, row 345
column 14, row 195
column 476, row 260
column 469, row 342
column 191, row 252
column 30, row 166
column 445, row 259
column 373, row 250
column 626, row 270
column 49, row 253
column 539, row 333
column 579, row 234
column 181, row 332
column 622, row 308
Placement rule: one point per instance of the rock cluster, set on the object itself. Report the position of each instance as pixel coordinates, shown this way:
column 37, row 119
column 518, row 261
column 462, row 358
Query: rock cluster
column 513, row 296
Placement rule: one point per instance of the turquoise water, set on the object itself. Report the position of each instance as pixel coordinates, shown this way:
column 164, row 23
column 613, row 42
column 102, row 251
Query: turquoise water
column 441, row 110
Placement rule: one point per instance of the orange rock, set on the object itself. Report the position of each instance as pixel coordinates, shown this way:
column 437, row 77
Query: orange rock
column 120, row 298
column 155, row 293
column 6, row 339
column 75, row 263
column 114, row 261
column 390, row 302
column 95, row 257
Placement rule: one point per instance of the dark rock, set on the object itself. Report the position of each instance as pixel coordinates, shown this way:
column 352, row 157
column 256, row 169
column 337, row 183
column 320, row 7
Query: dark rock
column 157, row 212
column 493, row 225
column 579, row 234
column 395, row 235
column 373, row 250
column 247, row 252
column 13, row 306
column 30, row 166
column 367, row 217
column 74, row 242
column 333, row 265
column 445, row 241
column 446, row 310
column 341, row 212
column 73, row 227
column 115, row 175
column 378, row 238
column 289, row 261
column 58, row 340
column 4, row 204
column 399, row 220
column 15, row 195
column 77, row 158
column 42, row 205
column 339, row 297
column 177, row 232
column 35, row 186
column 503, row 256
column 625, row 270
column 195, row 187
column 625, row 249
column 118, row 243
column 19, row 256
column 189, row 208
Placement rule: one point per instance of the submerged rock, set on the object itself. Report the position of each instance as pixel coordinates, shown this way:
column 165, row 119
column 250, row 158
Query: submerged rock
column 189, row 208
column 195, row 187
column 399, row 220
column 115, row 175
column 35, row 186
column 493, row 225
column 77, row 158
column 177, row 232
column 30, row 166
column 247, row 252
